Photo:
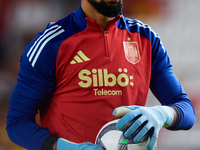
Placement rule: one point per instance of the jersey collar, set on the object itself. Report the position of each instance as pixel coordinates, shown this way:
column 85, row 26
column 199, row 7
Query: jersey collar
column 84, row 22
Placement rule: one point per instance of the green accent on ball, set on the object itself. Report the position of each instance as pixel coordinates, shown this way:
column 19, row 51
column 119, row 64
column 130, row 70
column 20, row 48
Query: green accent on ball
column 125, row 142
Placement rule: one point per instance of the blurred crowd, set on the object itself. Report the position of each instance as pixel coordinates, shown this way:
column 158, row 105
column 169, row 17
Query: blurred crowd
column 21, row 20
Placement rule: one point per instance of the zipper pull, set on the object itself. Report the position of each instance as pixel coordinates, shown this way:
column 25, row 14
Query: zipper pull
column 104, row 32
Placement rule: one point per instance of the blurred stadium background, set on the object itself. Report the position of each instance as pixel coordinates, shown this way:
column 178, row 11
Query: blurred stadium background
column 176, row 21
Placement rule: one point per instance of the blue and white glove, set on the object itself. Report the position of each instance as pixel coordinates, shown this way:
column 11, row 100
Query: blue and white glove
column 63, row 144
column 153, row 117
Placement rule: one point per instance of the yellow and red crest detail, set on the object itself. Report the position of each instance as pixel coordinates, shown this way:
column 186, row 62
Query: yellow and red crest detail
column 132, row 53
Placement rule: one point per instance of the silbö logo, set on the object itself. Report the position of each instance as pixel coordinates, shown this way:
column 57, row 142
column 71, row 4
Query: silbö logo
column 98, row 78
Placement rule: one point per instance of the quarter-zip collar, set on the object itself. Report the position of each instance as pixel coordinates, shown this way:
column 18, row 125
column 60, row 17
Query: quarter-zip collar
column 82, row 22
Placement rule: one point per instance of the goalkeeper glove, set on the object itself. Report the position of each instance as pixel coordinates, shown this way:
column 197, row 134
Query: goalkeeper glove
column 149, row 117
column 63, row 144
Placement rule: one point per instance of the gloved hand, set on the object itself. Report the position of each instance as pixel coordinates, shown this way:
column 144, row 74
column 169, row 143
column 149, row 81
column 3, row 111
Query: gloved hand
column 63, row 144
column 151, row 117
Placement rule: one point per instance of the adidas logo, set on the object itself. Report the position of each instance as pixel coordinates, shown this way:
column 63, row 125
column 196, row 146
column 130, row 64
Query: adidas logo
column 79, row 58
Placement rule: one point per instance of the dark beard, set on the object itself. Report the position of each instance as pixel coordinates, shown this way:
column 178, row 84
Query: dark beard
column 109, row 10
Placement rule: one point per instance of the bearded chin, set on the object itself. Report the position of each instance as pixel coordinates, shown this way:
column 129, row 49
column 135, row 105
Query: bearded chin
column 108, row 10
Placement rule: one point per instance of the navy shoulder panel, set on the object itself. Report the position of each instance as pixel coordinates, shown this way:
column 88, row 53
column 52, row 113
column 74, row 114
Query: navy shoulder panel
column 41, row 54
column 134, row 25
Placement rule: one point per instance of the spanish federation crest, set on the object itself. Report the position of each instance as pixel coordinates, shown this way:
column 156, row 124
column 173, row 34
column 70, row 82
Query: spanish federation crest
column 132, row 53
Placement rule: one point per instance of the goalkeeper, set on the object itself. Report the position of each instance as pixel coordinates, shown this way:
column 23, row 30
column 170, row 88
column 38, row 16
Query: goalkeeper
column 79, row 72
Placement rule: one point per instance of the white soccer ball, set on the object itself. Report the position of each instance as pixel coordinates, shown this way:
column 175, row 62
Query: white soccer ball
column 110, row 138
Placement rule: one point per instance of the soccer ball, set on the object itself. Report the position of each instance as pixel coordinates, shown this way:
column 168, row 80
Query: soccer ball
column 110, row 138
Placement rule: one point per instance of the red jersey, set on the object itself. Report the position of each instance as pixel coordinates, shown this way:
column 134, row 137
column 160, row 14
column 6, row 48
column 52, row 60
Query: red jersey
column 97, row 71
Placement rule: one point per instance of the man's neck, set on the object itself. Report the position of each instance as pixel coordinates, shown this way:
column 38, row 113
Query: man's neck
column 90, row 12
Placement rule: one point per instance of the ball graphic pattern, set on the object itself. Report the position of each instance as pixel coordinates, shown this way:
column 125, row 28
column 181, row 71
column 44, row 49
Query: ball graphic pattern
column 110, row 138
